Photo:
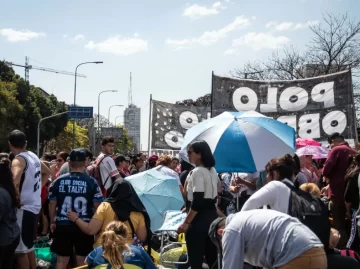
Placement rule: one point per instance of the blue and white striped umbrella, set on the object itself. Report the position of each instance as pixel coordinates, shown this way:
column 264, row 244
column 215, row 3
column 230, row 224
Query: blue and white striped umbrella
column 242, row 141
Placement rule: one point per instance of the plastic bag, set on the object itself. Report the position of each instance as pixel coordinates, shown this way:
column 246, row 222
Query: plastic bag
column 42, row 251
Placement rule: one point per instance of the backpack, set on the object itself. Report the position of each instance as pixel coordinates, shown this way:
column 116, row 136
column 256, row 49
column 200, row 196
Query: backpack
column 311, row 211
column 94, row 171
column 350, row 253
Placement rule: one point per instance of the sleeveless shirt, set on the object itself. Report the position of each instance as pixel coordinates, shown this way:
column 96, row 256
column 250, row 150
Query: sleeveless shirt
column 30, row 183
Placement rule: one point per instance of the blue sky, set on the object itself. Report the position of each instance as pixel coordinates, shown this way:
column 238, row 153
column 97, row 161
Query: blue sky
column 170, row 46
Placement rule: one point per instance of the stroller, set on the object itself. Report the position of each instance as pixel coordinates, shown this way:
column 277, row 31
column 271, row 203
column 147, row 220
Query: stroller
column 173, row 252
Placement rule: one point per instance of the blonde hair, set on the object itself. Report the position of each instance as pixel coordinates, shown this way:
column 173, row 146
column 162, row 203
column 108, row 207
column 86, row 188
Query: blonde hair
column 311, row 188
column 114, row 243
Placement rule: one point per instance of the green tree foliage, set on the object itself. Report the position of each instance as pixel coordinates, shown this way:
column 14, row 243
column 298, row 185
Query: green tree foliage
column 35, row 104
column 9, row 109
column 63, row 142
column 204, row 101
column 124, row 144
column 7, row 74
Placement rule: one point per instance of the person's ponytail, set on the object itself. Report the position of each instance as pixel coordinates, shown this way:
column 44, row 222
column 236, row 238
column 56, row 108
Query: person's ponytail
column 114, row 243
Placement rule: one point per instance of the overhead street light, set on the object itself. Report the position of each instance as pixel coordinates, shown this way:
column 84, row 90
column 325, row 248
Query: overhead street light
column 95, row 62
column 109, row 113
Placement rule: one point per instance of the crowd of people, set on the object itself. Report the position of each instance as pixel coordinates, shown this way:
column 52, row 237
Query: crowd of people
column 297, row 213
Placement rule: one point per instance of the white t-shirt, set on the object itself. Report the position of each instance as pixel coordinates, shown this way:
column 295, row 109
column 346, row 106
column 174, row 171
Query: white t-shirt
column 251, row 177
column 168, row 171
column 203, row 180
column 108, row 170
column 275, row 194
column 30, row 183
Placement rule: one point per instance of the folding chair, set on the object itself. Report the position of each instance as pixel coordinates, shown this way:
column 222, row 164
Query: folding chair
column 172, row 221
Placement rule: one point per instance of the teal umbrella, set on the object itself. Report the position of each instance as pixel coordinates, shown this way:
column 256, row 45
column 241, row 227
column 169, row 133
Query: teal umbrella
column 159, row 193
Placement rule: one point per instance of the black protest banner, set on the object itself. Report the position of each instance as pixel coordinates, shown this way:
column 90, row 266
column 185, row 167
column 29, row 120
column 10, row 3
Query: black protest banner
column 170, row 123
column 314, row 107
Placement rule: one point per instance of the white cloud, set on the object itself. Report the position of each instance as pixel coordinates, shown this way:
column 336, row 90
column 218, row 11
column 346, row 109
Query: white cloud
column 65, row 36
column 289, row 26
column 196, row 11
column 256, row 41
column 12, row 35
column 119, row 45
column 79, row 37
column 210, row 37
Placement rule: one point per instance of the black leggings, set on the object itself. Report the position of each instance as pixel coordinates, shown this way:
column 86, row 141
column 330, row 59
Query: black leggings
column 7, row 255
column 199, row 243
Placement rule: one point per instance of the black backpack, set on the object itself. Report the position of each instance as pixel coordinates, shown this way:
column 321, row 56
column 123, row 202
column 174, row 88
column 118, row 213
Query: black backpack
column 311, row 211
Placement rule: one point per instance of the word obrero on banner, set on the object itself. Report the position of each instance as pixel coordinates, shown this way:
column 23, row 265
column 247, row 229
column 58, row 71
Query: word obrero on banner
column 314, row 107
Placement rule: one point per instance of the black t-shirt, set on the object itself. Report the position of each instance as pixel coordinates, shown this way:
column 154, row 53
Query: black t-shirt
column 183, row 176
column 352, row 192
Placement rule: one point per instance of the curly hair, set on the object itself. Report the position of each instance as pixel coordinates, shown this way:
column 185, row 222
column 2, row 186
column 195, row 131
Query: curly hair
column 164, row 160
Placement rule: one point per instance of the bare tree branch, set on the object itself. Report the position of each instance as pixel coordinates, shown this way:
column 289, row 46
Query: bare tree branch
column 334, row 47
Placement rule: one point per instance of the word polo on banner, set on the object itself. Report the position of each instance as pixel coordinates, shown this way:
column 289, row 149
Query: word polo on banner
column 314, row 107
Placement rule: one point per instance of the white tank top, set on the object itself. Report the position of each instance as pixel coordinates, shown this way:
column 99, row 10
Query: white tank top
column 30, row 183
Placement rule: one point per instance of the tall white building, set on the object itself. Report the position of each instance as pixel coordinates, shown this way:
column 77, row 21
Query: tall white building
column 132, row 119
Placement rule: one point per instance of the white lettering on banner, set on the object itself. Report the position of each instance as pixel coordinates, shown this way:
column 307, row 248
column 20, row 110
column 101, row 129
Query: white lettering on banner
column 309, row 126
column 324, row 92
column 296, row 99
column 293, row 99
column 244, row 99
column 187, row 119
column 271, row 98
column 289, row 120
column 335, row 121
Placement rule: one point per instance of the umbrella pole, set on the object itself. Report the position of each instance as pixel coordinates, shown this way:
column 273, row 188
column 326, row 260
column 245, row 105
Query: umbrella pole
column 237, row 203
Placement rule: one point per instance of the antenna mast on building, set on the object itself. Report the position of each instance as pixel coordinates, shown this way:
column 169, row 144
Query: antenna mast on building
column 130, row 93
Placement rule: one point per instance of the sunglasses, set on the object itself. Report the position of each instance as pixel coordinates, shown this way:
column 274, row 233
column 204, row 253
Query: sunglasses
column 59, row 160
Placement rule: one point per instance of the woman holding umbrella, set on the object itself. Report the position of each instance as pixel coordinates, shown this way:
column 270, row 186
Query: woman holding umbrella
column 202, row 190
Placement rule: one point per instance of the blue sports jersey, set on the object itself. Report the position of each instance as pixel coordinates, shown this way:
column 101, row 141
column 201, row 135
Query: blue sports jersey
column 75, row 192
column 136, row 256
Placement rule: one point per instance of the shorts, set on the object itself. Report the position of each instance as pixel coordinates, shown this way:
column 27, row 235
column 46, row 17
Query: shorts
column 27, row 223
column 67, row 237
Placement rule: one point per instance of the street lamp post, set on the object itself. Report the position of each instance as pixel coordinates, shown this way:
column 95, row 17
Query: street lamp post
column 109, row 113
column 118, row 117
column 38, row 130
column 98, row 124
column 96, row 62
